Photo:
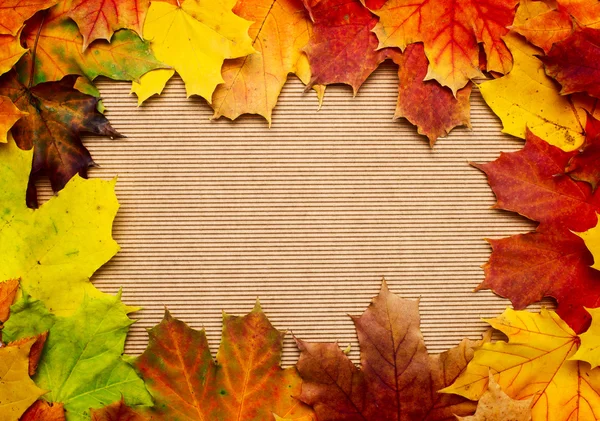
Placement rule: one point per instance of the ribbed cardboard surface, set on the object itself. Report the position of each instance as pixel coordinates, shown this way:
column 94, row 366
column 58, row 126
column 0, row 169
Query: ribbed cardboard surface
column 308, row 215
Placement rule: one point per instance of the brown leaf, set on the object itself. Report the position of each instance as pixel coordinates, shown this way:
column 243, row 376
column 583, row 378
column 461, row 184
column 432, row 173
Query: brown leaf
column 118, row 411
column 44, row 411
column 398, row 379
column 8, row 291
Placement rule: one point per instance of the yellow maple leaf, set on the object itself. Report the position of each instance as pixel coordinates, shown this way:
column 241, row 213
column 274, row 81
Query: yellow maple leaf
column 535, row 363
column 194, row 38
column 526, row 97
column 591, row 238
column 252, row 84
column 10, row 52
column 589, row 350
column 17, row 391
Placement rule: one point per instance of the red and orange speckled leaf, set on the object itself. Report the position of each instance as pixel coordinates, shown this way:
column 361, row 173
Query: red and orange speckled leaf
column 8, row 292
column 427, row 104
column 57, row 44
column 450, row 31
column 398, row 380
column 247, row 382
column 118, row 411
column 585, row 166
column 57, row 116
column 253, row 83
column 575, row 63
column 552, row 261
column 342, row 48
column 544, row 23
column 14, row 13
column 44, row 411
column 35, row 354
column 99, row 19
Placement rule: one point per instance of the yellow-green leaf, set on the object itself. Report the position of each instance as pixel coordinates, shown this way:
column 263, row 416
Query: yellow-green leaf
column 195, row 38
column 54, row 249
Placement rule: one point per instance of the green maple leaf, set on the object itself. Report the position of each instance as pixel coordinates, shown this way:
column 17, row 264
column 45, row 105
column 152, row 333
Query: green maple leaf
column 82, row 365
column 56, row 248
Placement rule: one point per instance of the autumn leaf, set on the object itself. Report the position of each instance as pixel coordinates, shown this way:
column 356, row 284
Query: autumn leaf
column 56, row 42
column 57, row 115
column 29, row 318
column 280, row 31
column 118, row 411
column 35, row 353
column 495, row 405
column 9, row 115
column 585, row 166
column 194, row 38
column 574, row 62
column 17, row 390
column 527, row 98
column 544, row 23
column 10, row 52
column 8, row 292
column 55, row 249
column 247, row 383
column 14, row 13
column 342, row 48
column 82, row 366
column 450, row 32
column 99, row 19
column 398, row 380
column 426, row 104
column 536, row 362
column 44, row 411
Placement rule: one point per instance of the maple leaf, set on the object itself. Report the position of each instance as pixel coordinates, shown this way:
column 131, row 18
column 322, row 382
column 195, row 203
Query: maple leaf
column 535, row 362
column 495, row 405
column 194, row 38
column 574, row 62
column 590, row 345
column 398, row 380
column 17, row 390
column 55, row 249
column 118, row 411
column 426, row 104
column 247, row 383
column 55, row 43
column 82, row 365
column 450, row 31
column 551, row 261
column 10, row 52
column 527, row 98
column 14, row 13
column 8, row 292
column 99, row 19
column 44, row 411
column 9, row 115
column 35, row 353
column 585, row 166
column 57, row 115
column 280, row 31
column 544, row 23
column 342, row 48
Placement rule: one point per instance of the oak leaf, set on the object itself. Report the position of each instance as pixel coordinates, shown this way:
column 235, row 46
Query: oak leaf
column 57, row 115
column 574, row 62
column 44, row 411
column 495, row 405
column 426, row 104
column 398, row 380
column 342, row 48
column 247, row 383
column 118, row 411
column 14, row 13
column 194, row 38
column 99, row 19
column 552, row 261
column 9, row 115
column 528, row 98
column 545, row 23
column 450, row 32
column 82, row 366
column 536, row 362
column 54, row 250
column 8, row 292
column 55, row 51
column 17, row 390
column 280, row 31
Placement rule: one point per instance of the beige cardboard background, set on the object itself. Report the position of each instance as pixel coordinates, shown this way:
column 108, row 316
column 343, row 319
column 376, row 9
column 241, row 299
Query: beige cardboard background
column 308, row 215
